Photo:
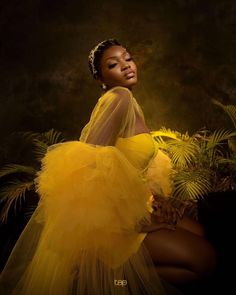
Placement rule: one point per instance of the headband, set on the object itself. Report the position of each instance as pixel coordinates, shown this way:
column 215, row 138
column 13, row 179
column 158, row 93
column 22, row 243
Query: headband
column 92, row 53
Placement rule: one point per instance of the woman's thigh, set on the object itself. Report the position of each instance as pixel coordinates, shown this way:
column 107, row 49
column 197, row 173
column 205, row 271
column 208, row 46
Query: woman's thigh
column 191, row 225
column 180, row 248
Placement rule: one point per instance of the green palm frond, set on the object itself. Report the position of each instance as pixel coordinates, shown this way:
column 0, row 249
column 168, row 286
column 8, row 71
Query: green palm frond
column 11, row 194
column 192, row 184
column 201, row 137
column 232, row 144
column 15, row 168
column 40, row 149
column 29, row 135
column 183, row 153
column 163, row 132
column 185, row 136
column 229, row 161
column 218, row 136
column 163, row 136
column 215, row 141
column 46, row 139
column 52, row 136
column 30, row 210
column 161, row 143
column 229, row 109
column 181, row 146
column 171, row 134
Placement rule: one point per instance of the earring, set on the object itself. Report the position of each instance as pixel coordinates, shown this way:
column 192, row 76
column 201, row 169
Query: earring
column 104, row 86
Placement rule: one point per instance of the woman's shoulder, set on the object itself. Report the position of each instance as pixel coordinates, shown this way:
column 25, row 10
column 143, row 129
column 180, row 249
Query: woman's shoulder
column 119, row 91
column 117, row 94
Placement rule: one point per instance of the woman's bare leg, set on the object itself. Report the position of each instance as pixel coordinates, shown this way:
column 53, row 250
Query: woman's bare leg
column 191, row 226
column 176, row 275
column 180, row 256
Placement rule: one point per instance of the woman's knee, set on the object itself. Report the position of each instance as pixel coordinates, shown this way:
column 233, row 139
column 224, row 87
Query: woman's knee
column 191, row 225
column 205, row 264
column 181, row 248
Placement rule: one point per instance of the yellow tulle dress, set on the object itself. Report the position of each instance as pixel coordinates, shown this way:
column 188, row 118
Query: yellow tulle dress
column 84, row 237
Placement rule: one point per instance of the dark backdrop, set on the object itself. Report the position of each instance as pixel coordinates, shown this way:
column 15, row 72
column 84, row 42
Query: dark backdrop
column 185, row 51
column 186, row 54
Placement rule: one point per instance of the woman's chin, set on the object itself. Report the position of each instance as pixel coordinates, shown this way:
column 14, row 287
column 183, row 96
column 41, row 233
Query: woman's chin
column 130, row 83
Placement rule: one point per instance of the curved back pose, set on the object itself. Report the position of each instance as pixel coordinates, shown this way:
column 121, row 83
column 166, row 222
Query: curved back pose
column 96, row 229
column 176, row 243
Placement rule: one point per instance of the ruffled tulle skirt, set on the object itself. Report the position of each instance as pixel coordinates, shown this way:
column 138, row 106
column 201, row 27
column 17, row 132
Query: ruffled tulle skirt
column 84, row 237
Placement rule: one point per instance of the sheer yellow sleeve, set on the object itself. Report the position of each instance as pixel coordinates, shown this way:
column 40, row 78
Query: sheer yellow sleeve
column 113, row 116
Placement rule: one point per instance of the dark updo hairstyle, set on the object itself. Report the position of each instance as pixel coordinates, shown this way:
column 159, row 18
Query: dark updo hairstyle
column 95, row 55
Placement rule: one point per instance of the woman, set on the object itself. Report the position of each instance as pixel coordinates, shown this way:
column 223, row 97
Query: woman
column 96, row 230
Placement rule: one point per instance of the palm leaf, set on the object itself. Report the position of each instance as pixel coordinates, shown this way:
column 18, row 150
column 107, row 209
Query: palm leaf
column 13, row 193
column 229, row 109
column 162, row 144
column 192, row 184
column 163, row 132
column 232, row 144
column 181, row 146
column 218, row 136
column 172, row 134
column 40, row 149
column 47, row 139
column 215, row 141
column 229, row 161
column 29, row 211
column 15, row 168
column 29, row 135
column 52, row 136
column 183, row 153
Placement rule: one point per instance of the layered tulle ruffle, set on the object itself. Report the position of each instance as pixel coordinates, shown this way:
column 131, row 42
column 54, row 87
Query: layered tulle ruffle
column 83, row 237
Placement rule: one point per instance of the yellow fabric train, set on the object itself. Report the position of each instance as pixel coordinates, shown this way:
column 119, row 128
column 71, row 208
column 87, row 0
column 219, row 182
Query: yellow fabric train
column 84, row 237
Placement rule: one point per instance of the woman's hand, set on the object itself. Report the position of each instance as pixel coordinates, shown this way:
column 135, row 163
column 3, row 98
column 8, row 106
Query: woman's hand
column 164, row 216
column 155, row 224
column 165, row 212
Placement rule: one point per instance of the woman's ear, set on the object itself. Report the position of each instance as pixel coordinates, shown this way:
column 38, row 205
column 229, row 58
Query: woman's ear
column 101, row 84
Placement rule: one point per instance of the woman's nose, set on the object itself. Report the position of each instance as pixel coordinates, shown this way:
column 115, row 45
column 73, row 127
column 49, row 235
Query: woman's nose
column 125, row 65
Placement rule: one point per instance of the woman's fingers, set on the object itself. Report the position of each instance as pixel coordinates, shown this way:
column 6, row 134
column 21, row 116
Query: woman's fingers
column 165, row 226
column 159, row 226
column 163, row 207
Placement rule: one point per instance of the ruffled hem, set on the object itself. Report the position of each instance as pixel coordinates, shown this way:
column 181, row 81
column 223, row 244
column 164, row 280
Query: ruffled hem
column 83, row 237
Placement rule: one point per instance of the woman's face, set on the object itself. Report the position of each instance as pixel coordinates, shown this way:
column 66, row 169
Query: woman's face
column 117, row 68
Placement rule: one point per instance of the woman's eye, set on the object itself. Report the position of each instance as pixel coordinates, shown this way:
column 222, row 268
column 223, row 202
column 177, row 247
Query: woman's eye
column 111, row 66
column 114, row 64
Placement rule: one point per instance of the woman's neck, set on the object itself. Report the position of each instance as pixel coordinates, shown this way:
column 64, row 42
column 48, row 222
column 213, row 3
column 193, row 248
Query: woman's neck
column 130, row 88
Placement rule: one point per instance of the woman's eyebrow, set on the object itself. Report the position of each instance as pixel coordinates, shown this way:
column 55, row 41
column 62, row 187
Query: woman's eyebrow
column 117, row 56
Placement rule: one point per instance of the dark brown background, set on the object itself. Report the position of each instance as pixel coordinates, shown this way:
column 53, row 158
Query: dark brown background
column 186, row 53
column 185, row 50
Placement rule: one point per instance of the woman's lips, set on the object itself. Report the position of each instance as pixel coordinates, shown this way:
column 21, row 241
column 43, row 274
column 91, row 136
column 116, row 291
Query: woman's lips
column 130, row 74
